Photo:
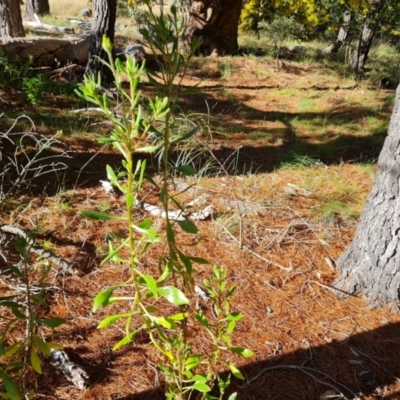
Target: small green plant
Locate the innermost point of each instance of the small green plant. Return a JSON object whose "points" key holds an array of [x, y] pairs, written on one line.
{"points": [[24, 312], [225, 67], [13, 70], [35, 87], [280, 30], [159, 303]]}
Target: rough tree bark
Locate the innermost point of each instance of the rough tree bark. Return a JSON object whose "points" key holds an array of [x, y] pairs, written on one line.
{"points": [[371, 265], [11, 19], [342, 35], [215, 22], [104, 15], [39, 7], [370, 26]]}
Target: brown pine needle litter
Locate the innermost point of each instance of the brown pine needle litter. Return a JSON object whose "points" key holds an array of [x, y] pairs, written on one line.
{"points": [[277, 230]]}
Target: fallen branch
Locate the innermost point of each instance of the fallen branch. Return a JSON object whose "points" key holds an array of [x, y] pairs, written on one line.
{"points": [[37, 24], [72, 371], [35, 248], [359, 352]]}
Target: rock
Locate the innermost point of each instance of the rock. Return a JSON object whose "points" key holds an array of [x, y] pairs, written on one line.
{"points": [[86, 13], [136, 51], [298, 49]]}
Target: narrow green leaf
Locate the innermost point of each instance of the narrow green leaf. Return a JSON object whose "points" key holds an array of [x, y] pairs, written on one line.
{"points": [[147, 149], [179, 316], [112, 177], [235, 371], [231, 326], [166, 273], [186, 170], [187, 135], [17, 313], [42, 345], [165, 322], [202, 319], [241, 351], [9, 385], [129, 200], [103, 298], [151, 285], [192, 362], [15, 271], [199, 260], [151, 309], [10, 304], [235, 316], [188, 226], [35, 362], [2, 350], [14, 348], [227, 340], [99, 216], [199, 378], [233, 396], [231, 291], [170, 234], [106, 322], [55, 346], [186, 262], [201, 387], [126, 340], [53, 322], [173, 295], [144, 225]]}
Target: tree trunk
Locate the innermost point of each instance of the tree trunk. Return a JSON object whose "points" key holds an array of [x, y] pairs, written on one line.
{"points": [[104, 15], [215, 22], [11, 19], [39, 7], [370, 26], [342, 35], [371, 265]]}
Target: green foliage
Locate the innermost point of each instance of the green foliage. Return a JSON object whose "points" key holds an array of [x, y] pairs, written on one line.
{"points": [[280, 30], [18, 74], [159, 304], [35, 87], [12, 71], [24, 312], [326, 14]]}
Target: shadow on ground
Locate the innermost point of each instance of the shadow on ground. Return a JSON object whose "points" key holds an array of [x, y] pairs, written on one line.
{"points": [[360, 365]]}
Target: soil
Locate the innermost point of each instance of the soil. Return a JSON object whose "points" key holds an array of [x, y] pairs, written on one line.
{"points": [[310, 341]]}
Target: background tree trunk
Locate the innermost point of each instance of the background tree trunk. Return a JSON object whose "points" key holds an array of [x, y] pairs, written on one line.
{"points": [[370, 26], [104, 15], [342, 35], [39, 7], [371, 265], [11, 19], [215, 22]]}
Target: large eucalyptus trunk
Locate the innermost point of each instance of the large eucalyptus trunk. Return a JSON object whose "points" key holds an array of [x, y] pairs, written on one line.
{"points": [[215, 23], [368, 30], [371, 265], [103, 23], [11, 19], [39, 7]]}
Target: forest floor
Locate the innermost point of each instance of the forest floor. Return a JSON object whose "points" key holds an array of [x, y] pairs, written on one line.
{"points": [[297, 144]]}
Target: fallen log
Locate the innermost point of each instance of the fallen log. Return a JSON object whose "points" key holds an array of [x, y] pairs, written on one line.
{"points": [[46, 51], [38, 24]]}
